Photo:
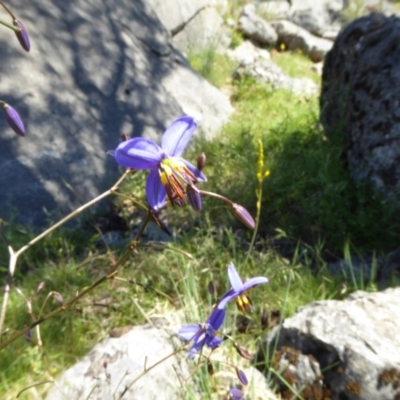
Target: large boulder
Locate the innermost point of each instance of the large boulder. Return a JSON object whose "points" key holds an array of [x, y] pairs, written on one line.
{"points": [[256, 28], [194, 25], [360, 99], [346, 349], [96, 70], [116, 364], [293, 37], [257, 64], [321, 18]]}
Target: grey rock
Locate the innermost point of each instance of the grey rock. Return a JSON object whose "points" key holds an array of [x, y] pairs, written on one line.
{"points": [[95, 70], [297, 38], [257, 64], [291, 363], [359, 99], [356, 343], [175, 16], [276, 9], [116, 362], [256, 28], [317, 17], [205, 31]]}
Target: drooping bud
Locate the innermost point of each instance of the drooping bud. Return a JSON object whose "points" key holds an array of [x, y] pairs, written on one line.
{"points": [[194, 197], [264, 319], [28, 336], [125, 136], [22, 35], [243, 352], [210, 368], [159, 223], [242, 376], [201, 161], [236, 394], [212, 288], [14, 120], [243, 215], [57, 297]]}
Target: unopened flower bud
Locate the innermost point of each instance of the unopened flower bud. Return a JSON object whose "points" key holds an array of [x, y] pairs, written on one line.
{"points": [[14, 120], [264, 319], [28, 336], [243, 215], [242, 376], [201, 161], [210, 368], [22, 35], [40, 287], [57, 297], [125, 136], [243, 352], [194, 197], [236, 394], [212, 288]]}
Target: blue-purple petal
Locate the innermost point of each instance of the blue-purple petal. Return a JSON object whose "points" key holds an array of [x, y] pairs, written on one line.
{"points": [[198, 343], [188, 332], [194, 198], [198, 174], [178, 135], [216, 318], [139, 153], [213, 342], [234, 278], [155, 190], [226, 298], [250, 283]]}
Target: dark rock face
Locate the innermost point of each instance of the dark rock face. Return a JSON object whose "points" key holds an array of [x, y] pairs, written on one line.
{"points": [[360, 98]]}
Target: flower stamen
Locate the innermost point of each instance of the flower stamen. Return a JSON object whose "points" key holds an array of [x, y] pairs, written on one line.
{"points": [[173, 174]]}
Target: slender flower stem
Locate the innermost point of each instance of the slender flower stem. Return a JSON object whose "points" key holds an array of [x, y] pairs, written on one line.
{"points": [[14, 28], [74, 213], [7, 9], [217, 196], [15, 254], [109, 275], [148, 369], [255, 231]]}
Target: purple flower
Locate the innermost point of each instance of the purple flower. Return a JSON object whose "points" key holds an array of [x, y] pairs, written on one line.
{"points": [[202, 335], [169, 172], [238, 289]]}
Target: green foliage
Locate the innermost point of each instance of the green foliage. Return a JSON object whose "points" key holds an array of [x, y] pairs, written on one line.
{"points": [[309, 195], [214, 67], [295, 64], [308, 198]]}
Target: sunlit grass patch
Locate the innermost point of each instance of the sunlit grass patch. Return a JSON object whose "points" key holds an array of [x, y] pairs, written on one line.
{"points": [[295, 64], [214, 67]]}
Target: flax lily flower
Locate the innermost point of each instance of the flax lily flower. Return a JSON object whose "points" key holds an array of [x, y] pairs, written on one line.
{"points": [[170, 174], [202, 335], [239, 289]]}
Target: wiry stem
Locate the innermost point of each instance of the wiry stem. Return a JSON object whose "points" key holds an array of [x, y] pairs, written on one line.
{"points": [[7, 9], [12, 27], [15, 254], [109, 275]]}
